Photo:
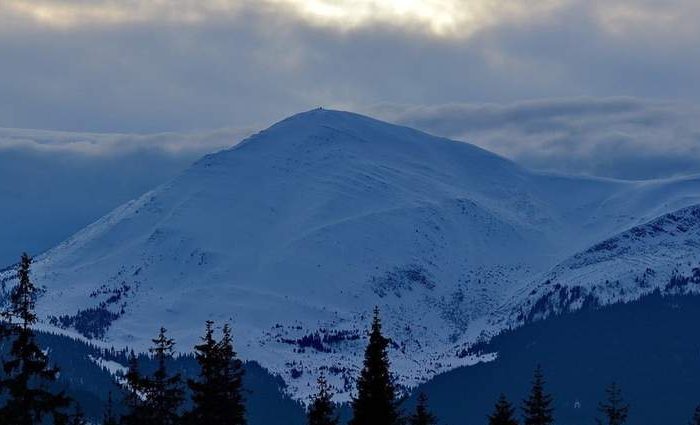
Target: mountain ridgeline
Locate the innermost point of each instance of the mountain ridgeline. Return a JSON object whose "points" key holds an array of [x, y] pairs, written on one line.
{"points": [[293, 235]]}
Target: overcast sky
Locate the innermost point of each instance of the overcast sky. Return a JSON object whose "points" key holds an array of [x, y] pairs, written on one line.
{"points": [[180, 65], [600, 87]]}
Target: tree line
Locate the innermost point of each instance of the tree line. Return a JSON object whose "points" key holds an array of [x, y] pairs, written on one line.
{"points": [[28, 397], [377, 401]]}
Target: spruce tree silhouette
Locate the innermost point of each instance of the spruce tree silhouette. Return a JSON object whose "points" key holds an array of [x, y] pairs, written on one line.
{"points": [[78, 417], [422, 416], [614, 408], [537, 408], [109, 418], [133, 401], [233, 378], [217, 394], [503, 413], [26, 380], [322, 410], [695, 420], [375, 403], [163, 392]]}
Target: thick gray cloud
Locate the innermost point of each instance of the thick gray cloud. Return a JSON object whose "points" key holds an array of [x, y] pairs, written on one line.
{"points": [[618, 137], [53, 184], [185, 66], [124, 66]]}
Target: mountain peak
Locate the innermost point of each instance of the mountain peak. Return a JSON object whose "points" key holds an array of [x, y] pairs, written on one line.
{"points": [[321, 118], [297, 232], [324, 115], [324, 133]]}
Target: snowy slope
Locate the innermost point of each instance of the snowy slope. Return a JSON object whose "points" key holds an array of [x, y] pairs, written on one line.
{"points": [[661, 255], [295, 234]]}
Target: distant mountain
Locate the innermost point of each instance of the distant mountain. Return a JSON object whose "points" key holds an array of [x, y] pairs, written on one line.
{"points": [[660, 254], [295, 234]]}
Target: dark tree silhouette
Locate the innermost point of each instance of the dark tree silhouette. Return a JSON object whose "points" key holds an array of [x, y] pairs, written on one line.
{"points": [[233, 378], [163, 392], [614, 408], [375, 403], [537, 408], [109, 418], [695, 420], [322, 410], [422, 416], [78, 417], [217, 394], [27, 375], [503, 413], [133, 401], [154, 399]]}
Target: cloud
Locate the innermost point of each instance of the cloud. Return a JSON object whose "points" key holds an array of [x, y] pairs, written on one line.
{"points": [[619, 137], [183, 65], [449, 18], [94, 146], [54, 183], [442, 18], [166, 71]]}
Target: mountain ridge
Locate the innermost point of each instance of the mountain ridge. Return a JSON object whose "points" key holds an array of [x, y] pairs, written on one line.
{"points": [[295, 234]]}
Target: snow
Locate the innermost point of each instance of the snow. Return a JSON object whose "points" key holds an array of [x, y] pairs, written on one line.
{"points": [[116, 369], [304, 227]]}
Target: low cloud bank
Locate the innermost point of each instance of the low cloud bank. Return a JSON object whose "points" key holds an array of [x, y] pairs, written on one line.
{"points": [[54, 183], [618, 137]]}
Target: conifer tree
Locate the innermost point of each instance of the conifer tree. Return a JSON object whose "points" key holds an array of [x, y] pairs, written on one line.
{"points": [[27, 375], [322, 410], [163, 392], [422, 415], [375, 403], [133, 401], [503, 413], [537, 408], [614, 408], [217, 394], [207, 387], [695, 420], [109, 418], [233, 378]]}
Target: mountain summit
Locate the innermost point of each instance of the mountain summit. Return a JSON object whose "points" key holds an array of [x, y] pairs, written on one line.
{"points": [[295, 234]]}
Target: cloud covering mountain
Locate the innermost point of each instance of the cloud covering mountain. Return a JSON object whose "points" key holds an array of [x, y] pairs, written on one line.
{"points": [[53, 183], [70, 179], [294, 234], [619, 137]]}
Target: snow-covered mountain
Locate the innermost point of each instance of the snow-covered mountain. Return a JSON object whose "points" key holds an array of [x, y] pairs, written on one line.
{"points": [[659, 255], [295, 234]]}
